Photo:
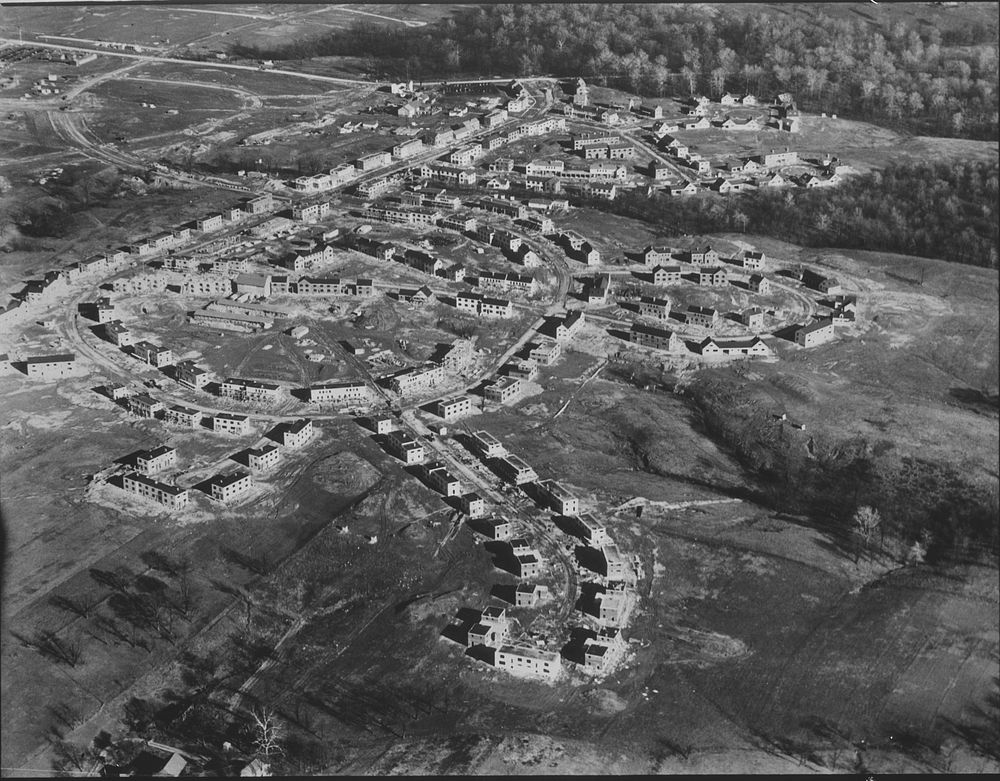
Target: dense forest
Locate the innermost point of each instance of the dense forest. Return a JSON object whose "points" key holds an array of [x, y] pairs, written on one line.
{"points": [[935, 210], [920, 79]]}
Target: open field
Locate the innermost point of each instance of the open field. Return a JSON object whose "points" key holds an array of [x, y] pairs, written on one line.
{"points": [[861, 145]]}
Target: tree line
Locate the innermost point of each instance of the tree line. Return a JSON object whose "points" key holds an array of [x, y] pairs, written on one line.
{"points": [[916, 78], [936, 210]]}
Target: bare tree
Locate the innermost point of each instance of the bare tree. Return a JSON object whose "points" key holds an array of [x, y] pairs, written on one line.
{"points": [[267, 731]]}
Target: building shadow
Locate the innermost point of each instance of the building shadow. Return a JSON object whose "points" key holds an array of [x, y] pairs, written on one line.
{"points": [[506, 592]]}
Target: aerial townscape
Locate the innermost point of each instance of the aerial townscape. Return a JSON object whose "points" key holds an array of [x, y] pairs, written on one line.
{"points": [[494, 389]]}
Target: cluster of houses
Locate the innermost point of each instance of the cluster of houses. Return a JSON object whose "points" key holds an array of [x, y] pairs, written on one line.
{"points": [[225, 487], [603, 648]]}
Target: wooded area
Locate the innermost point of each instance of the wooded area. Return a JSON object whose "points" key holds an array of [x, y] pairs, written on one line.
{"points": [[923, 81], [934, 210]]}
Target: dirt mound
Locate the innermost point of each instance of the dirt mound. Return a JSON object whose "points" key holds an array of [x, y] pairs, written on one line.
{"points": [[381, 317]]}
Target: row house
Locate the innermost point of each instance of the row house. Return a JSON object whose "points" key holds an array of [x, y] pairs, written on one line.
{"points": [[582, 140], [815, 333], [656, 308], [408, 148], [752, 260], [488, 445], [250, 390], [310, 212], [373, 161], [701, 315], [545, 353], [183, 416], [667, 275], [749, 346], [416, 380], [540, 167], [758, 283], [515, 470], [316, 286], [505, 390], [118, 334], [296, 434], [234, 321], [208, 224], [713, 277], [509, 208], [657, 338], [226, 488], [484, 306], [188, 373], [401, 444], [462, 222], [207, 285], [153, 354], [472, 504], [521, 369], [466, 155], [145, 406], [752, 318], [653, 255], [591, 531], [147, 488], [230, 423], [525, 661], [454, 408], [156, 460], [496, 280], [442, 480], [569, 324], [375, 187], [265, 458], [230, 266], [449, 174], [559, 498], [349, 392]]}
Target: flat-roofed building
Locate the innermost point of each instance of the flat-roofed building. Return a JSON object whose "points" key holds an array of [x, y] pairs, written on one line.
{"points": [[402, 445], [500, 529], [591, 531], [183, 416], [416, 380], [473, 505], [488, 445], [528, 594], [454, 408], [249, 390], [153, 490], [47, 367], [545, 353], [156, 460], [516, 470], [187, 373], [144, 405], [263, 458], [442, 480], [525, 661], [118, 334], [616, 567], [505, 390], [152, 354], [229, 423], [612, 608], [226, 488], [383, 424], [349, 392], [559, 498], [232, 321]]}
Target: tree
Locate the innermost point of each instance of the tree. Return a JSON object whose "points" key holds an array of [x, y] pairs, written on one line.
{"points": [[866, 522], [266, 731]]}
